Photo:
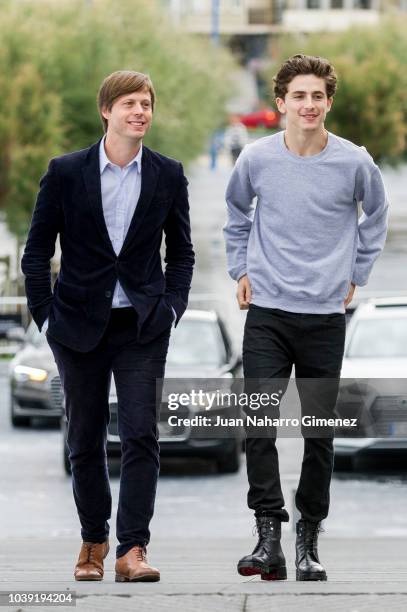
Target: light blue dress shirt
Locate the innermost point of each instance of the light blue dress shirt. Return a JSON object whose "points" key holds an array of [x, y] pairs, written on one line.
{"points": [[120, 194]]}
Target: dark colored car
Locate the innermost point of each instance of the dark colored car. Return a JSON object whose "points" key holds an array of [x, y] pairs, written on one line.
{"points": [[200, 350]]}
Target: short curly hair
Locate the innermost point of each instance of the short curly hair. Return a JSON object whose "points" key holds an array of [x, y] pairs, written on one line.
{"points": [[304, 64]]}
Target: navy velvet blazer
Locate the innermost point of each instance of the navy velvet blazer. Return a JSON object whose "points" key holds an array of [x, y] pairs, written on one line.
{"points": [[70, 203]]}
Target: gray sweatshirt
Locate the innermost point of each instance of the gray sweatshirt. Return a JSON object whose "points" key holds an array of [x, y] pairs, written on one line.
{"points": [[303, 243]]}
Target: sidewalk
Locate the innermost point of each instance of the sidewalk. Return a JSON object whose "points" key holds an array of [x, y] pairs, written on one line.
{"points": [[364, 574]]}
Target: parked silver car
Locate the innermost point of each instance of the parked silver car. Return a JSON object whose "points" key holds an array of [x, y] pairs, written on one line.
{"points": [[374, 385], [35, 390], [200, 348]]}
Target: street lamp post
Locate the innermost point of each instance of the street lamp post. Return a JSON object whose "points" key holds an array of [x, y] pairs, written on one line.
{"points": [[215, 22]]}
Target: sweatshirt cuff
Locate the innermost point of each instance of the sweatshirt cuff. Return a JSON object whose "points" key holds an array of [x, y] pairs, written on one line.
{"points": [[359, 278], [237, 273]]}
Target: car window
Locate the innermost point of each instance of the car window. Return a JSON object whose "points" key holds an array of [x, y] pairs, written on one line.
{"points": [[195, 343], [379, 338]]}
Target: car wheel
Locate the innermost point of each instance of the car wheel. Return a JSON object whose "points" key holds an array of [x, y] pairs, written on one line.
{"points": [[229, 463], [16, 419]]}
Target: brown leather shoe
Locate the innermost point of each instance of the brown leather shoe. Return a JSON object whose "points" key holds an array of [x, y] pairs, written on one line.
{"points": [[133, 567], [90, 561]]}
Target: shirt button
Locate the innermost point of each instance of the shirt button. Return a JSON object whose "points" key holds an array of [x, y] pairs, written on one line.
{"points": [[108, 294]]}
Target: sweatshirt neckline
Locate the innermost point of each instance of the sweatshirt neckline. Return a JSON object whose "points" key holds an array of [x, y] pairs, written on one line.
{"points": [[305, 159]]}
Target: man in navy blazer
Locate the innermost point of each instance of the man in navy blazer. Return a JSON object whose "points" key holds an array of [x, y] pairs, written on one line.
{"points": [[111, 310]]}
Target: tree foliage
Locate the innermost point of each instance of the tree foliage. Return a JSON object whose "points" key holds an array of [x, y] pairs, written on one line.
{"points": [[370, 105], [53, 57]]}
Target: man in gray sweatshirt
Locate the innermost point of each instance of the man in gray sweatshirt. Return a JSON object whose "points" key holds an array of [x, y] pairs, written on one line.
{"points": [[297, 256]]}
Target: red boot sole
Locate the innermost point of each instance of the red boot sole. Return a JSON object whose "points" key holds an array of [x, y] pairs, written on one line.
{"points": [[277, 574]]}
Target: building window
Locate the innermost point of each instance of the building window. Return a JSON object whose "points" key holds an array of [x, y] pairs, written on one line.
{"points": [[363, 4], [313, 4], [336, 4]]}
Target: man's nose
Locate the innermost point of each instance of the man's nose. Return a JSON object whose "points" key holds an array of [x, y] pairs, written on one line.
{"points": [[309, 102], [137, 108]]}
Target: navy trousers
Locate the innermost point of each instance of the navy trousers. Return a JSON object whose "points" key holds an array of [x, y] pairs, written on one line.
{"points": [[86, 380], [274, 341]]}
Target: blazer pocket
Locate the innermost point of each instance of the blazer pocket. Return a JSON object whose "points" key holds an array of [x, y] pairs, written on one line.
{"points": [[156, 288], [70, 292]]}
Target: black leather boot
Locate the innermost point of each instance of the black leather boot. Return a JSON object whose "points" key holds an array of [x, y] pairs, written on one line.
{"points": [[306, 548], [267, 559]]}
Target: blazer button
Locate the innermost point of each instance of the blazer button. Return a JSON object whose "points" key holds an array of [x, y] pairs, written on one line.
{"points": [[108, 294]]}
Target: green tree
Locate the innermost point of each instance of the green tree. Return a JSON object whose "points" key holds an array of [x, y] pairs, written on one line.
{"points": [[53, 57], [30, 134], [370, 105], [34, 135]]}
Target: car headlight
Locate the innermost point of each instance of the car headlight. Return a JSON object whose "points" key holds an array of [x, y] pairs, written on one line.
{"points": [[22, 373]]}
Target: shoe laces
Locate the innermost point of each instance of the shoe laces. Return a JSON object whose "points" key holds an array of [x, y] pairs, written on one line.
{"points": [[265, 528], [90, 549], [140, 553], [311, 535]]}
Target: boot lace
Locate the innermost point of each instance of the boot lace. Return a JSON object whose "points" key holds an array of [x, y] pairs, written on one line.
{"points": [[311, 536], [140, 553], [90, 551], [265, 528]]}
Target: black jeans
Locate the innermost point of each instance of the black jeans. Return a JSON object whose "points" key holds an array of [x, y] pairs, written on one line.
{"points": [[274, 341], [86, 382]]}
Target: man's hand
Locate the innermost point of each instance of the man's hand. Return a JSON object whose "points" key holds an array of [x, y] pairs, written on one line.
{"points": [[244, 292], [349, 297]]}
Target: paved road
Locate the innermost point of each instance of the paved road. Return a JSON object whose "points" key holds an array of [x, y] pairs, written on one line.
{"points": [[199, 574]]}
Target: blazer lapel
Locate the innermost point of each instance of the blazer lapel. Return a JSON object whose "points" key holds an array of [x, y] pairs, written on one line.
{"points": [[149, 177], [91, 177]]}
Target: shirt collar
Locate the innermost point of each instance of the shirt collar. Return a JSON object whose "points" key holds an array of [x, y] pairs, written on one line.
{"points": [[104, 160]]}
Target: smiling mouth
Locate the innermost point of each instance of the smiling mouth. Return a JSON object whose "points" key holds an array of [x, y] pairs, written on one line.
{"points": [[136, 123]]}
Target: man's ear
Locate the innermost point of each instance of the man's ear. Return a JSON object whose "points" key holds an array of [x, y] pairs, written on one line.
{"points": [[281, 105], [330, 102], [105, 112]]}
